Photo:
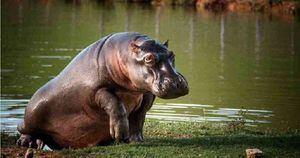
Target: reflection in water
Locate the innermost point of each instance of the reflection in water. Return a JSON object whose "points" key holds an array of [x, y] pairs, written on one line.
{"points": [[52, 57], [292, 50], [101, 23], [190, 50], [47, 12], [127, 19], [222, 44], [258, 41], [221, 75], [258, 33], [74, 18], [12, 113], [292, 38], [192, 34], [230, 60], [157, 21]]}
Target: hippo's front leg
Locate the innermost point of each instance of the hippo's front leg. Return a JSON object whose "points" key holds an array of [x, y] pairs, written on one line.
{"points": [[118, 119], [137, 118]]}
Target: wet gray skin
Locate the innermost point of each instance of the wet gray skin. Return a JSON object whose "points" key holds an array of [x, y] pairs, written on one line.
{"points": [[103, 94]]}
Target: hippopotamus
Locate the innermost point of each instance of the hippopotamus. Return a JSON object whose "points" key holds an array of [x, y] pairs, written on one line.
{"points": [[103, 94]]}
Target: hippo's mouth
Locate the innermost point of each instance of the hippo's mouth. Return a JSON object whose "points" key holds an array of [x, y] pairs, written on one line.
{"points": [[169, 88]]}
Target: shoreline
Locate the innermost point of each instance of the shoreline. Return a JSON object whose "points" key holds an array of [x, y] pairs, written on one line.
{"points": [[268, 6], [290, 7], [178, 139]]}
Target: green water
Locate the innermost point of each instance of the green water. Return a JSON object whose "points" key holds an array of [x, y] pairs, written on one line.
{"points": [[231, 61]]}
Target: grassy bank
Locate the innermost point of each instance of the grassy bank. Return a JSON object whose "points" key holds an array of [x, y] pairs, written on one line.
{"points": [[185, 140]]}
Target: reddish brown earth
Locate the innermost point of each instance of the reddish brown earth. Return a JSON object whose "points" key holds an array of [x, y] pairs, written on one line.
{"points": [[14, 152]]}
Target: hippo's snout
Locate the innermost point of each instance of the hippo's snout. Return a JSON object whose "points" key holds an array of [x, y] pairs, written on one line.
{"points": [[173, 87]]}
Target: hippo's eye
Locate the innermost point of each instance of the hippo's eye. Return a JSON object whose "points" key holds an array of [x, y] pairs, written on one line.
{"points": [[149, 59]]}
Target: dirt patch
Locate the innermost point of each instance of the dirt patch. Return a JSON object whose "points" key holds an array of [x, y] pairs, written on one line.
{"points": [[14, 151]]}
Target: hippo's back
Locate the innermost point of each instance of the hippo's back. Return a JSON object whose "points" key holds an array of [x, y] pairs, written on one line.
{"points": [[65, 94]]}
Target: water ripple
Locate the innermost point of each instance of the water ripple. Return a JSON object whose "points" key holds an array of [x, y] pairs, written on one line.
{"points": [[12, 112], [51, 57]]}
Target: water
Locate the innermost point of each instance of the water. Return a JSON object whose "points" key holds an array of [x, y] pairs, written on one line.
{"points": [[237, 65]]}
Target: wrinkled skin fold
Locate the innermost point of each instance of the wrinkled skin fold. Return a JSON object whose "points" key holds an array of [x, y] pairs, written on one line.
{"points": [[103, 94]]}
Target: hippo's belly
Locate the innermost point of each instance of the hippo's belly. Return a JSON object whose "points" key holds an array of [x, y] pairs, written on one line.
{"points": [[70, 119], [89, 129], [80, 130]]}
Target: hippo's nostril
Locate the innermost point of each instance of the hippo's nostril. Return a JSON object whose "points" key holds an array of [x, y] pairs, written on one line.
{"points": [[167, 81], [177, 85]]}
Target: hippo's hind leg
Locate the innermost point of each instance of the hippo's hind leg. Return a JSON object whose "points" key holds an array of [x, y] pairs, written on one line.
{"points": [[137, 118], [25, 140], [28, 140]]}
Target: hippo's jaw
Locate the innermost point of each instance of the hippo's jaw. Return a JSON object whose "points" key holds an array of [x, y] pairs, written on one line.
{"points": [[170, 87]]}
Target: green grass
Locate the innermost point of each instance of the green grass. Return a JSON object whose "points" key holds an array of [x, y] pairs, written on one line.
{"points": [[198, 140], [184, 139]]}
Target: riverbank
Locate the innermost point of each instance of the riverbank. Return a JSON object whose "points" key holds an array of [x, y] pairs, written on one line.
{"points": [[287, 7], [183, 140], [274, 6]]}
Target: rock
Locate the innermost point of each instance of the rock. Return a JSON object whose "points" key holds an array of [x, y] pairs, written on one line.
{"points": [[29, 153], [254, 153]]}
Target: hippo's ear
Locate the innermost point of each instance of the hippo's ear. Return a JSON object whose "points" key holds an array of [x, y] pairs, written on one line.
{"points": [[135, 48], [166, 44]]}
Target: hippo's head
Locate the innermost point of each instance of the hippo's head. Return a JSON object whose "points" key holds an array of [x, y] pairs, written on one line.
{"points": [[154, 70]]}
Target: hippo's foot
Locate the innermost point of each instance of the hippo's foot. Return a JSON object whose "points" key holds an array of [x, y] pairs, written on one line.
{"points": [[119, 130], [25, 141], [40, 144], [30, 142], [136, 137]]}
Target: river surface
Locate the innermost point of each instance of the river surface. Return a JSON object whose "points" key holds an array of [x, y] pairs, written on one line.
{"points": [[239, 66]]}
